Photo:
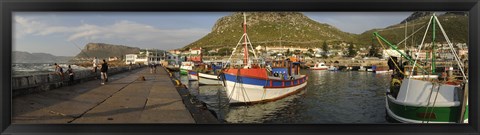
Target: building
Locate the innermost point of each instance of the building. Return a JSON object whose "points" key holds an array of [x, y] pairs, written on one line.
{"points": [[176, 51], [391, 52], [283, 48], [146, 56], [113, 58], [194, 55], [174, 59], [196, 51]]}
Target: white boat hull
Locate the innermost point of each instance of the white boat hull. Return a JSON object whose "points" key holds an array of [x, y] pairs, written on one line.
{"points": [[207, 79], [192, 77], [245, 93], [384, 71], [319, 68]]}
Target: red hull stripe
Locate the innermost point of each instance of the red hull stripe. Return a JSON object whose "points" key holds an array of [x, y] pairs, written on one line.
{"points": [[259, 73]]}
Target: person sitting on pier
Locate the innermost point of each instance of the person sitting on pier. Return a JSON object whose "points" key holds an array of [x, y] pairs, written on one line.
{"points": [[59, 71]]}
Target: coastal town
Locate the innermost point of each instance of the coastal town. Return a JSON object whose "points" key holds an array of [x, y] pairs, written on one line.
{"points": [[386, 78]]}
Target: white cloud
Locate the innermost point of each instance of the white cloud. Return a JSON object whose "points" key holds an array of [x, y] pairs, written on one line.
{"points": [[118, 31]]}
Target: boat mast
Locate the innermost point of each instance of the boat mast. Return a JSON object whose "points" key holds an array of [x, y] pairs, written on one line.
{"points": [[245, 48], [406, 49], [433, 44]]}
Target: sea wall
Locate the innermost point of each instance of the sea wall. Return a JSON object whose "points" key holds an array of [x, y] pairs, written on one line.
{"points": [[22, 85]]}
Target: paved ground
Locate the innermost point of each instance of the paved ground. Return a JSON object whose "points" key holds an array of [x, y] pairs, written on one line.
{"points": [[125, 99]]}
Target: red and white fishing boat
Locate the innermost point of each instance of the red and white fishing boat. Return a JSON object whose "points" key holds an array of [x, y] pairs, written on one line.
{"points": [[251, 83]]}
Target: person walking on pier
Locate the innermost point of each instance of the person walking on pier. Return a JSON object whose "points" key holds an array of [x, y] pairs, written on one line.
{"points": [[130, 67], [95, 64], [103, 72], [155, 68], [70, 74], [151, 67]]}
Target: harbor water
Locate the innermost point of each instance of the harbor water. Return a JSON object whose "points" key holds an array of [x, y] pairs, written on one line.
{"points": [[329, 97], [20, 69]]}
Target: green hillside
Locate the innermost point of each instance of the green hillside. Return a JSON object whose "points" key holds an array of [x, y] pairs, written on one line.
{"points": [[456, 27], [271, 29], [295, 29]]}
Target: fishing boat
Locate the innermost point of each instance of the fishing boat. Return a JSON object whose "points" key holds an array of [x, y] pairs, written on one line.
{"points": [[424, 96], [332, 68], [173, 68], [250, 82], [362, 69], [185, 67], [192, 75], [319, 66], [381, 69], [210, 76]]}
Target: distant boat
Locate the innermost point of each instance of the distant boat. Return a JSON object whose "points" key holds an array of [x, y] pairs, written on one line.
{"points": [[332, 68], [362, 69], [185, 67], [426, 97], [381, 69], [192, 75], [252, 83], [211, 76], [319, 66], [173, 67], [208, 79]]}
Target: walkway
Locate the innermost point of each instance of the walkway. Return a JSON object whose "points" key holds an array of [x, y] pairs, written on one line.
{"points": [[125, 99]]}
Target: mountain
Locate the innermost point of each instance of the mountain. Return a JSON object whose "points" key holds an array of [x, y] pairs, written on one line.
{"points": [[271, 28], [295, 29], [417, 15], [103, 50], [26, 57], [455, 25]]}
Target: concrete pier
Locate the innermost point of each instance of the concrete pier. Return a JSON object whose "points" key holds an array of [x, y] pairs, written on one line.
{"points": [[126, 98], [27, 84]]}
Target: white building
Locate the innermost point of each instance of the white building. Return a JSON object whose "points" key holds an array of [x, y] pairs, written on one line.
{"points": [[135, 59], [145, 57], [130, 58], [391, 52], [173, 59]]}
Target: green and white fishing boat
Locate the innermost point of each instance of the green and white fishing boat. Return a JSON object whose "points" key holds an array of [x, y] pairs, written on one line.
{"points": [[425, 95], [185, 67]]}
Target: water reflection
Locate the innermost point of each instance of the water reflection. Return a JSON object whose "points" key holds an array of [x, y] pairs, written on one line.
{"points": [[330, 97]]}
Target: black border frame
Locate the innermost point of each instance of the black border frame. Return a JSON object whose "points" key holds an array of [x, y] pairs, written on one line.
{"points": [[9, 6]]}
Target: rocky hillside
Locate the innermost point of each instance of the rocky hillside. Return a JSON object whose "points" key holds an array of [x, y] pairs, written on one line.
{"points": [[295, 29], [271, 28], [454, 23], [102, 50], [26, 57]]}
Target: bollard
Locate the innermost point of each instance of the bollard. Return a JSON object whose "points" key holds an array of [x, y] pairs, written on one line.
{"points": [[178, 82]]}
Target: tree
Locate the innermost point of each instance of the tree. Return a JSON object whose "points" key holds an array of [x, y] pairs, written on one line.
{"points": [[288, 52], [297, 52], [373, 52], [325, 49], [351, 51], [310, 50], [309, 55], [224, 51]]}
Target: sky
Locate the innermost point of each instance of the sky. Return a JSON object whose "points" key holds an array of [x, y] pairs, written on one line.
{"points": [[66, 33]]}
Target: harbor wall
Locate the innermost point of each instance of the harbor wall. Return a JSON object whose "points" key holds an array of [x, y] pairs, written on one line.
{"points": [[26, 84]]}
